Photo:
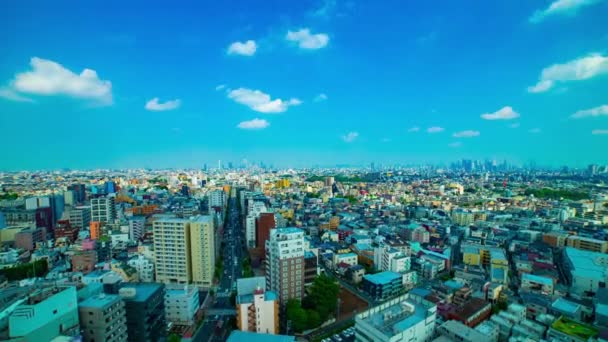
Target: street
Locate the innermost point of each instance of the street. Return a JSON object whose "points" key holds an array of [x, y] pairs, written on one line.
{"points": [[220, 312]]}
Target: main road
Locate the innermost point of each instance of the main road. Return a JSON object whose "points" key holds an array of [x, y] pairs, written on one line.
{"points": [[233, 253]]}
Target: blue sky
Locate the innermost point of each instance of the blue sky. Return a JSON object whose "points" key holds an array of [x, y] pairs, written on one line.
{"points": [[297, 83]]}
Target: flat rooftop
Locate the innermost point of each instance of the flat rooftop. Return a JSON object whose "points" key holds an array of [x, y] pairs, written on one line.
{"points": [[99, 301], [382, 277], [397, 318]]}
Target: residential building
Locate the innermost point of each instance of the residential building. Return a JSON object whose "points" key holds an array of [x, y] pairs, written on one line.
{"points": [[103, 209], [184, 250], [95, 230], [586, 271], [136, 227], [462, 217], [144, 267], [217, 198], [202, 250], [538, 284], [382, 285], [587, 244], [45, 314], [457, 331], [181, 304], [80, 217], [84, 261], [103, 318], [257, 309], [285, 263], [240, 336], [406, 318], [145, 308], [27, 238]]}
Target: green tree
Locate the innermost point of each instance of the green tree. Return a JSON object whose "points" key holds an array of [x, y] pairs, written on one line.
{"points": [[174, 338], [297, 315], [323, 296], [312, 318]]}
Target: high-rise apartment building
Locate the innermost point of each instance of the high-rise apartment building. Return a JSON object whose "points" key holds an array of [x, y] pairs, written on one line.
{"points": [[80, 217], [184, 250], [217, 198], [103, 209], [202, 250], [103, 318], [79, 191], [136, 227], [285, 263]]}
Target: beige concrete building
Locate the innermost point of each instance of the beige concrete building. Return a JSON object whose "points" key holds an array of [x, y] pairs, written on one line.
{"points": [[184, 250], [257, 309]]}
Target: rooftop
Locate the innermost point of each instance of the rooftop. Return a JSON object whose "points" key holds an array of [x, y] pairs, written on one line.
{"points": [[247, 286], [240, 336], [397, 317], [565, 306], [588, 264], [143, 291], [99, 301], [537, 279], [574, 328], [382, 278]]}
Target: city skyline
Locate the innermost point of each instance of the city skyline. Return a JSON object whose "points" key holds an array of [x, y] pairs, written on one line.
{"points": [[302, 84]]}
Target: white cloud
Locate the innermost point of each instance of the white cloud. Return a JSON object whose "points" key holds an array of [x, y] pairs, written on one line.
{"points": [[514, 125], [220, 87], [435, 129], [505, 113], [593, 112], [320, 97], [466, 134], [10, 94], [51, 78], [254, 124], [326, 8], [261, 102], [579, 69], [247, 48], [307, 40], [599, 131], [155, 105], [413, 129], [534, 130], [560, 7], [455, 144], [350, 137]]}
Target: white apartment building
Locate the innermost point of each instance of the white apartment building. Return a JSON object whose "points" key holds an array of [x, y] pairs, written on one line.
{"points": [[103, 209], [181, 304], [257, 309], [144, 267]]}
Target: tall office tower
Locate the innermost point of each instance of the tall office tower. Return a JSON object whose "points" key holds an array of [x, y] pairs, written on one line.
{"points": [[103, 318], [80, 193], [103, 209], [136, 227], [80, 217], [592, 169], [184, 250], [285, 263]]}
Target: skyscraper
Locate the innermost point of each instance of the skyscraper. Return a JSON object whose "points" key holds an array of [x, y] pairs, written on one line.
{"points": [[285, 263], [184, 250]]}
